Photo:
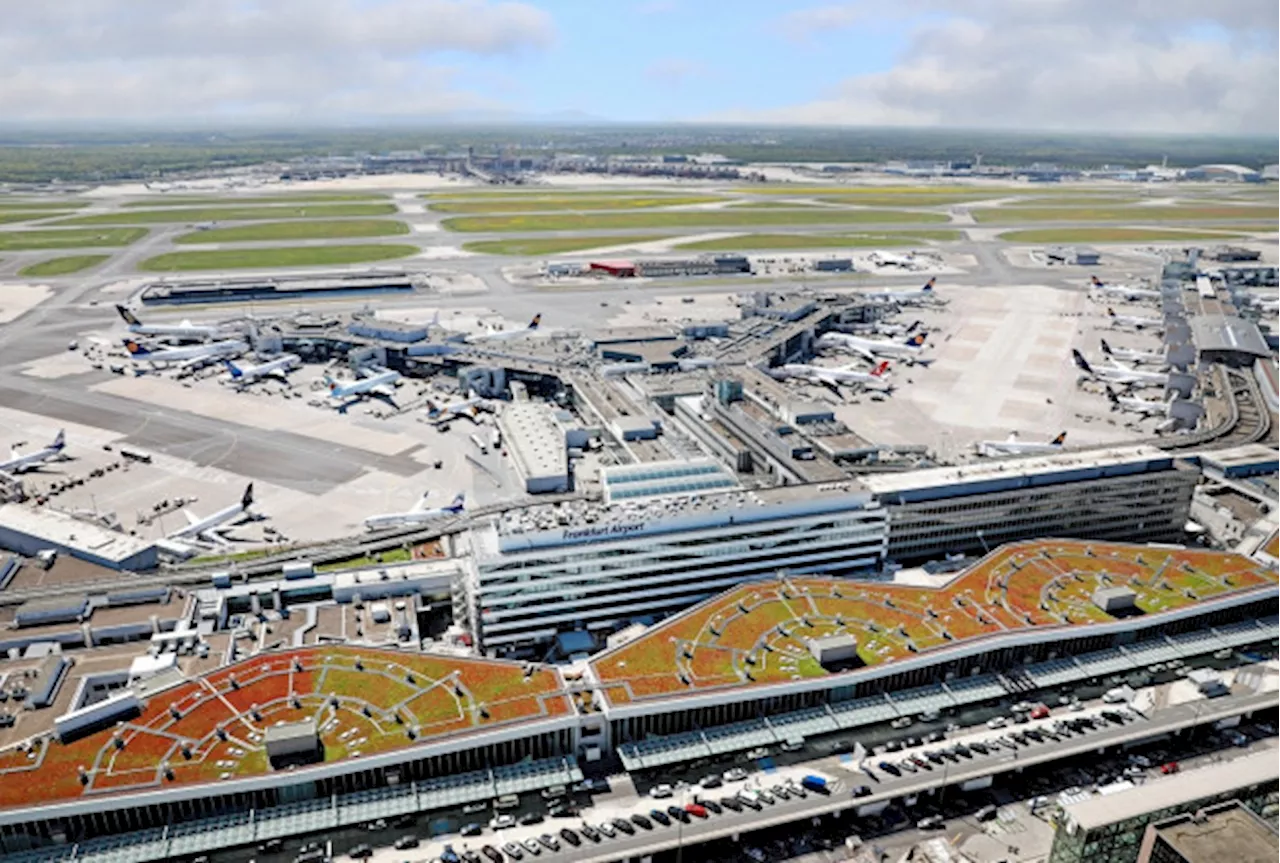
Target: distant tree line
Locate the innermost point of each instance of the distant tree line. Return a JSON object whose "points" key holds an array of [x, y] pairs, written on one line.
{"points": [[77, 156]]}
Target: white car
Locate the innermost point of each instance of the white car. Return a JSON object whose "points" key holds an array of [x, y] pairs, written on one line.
{"points": [[660, 792], [502, 822], [735, 774], [607, 829], [997, 722]]}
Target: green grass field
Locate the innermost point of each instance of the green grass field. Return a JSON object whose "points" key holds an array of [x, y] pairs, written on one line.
{"points": [[394, 555], [1074, 201], [35, 240], [549, 204], [283, 256], [63, 266], [235, 200], [301, 230], [749, 242], [231, 214], [1132, 215], [774, 205], [553, 245], [8, 216], [1113, 235], [905, 199], [726, 218]]}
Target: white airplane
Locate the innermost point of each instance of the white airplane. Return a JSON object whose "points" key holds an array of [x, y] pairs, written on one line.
{"points": [[1129, 355], [206, 529], [18, 463], [1134, 322], [468, 407], [1127, 292], [889, 259], [185, 331], [277, 368], [1012, 446], [198, 353], [883, 328], [835, 378], [418, 515], [379, 385], [1146, 407], [496, 335], [904, 298], [1117, 373], [876, 349]]}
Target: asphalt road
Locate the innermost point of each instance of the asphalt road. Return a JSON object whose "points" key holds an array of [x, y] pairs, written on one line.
{"points": [[884, 787]]}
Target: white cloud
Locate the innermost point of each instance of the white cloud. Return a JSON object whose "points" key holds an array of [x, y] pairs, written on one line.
{"points": [[286, 59], [674, 70], [804, 24], [1136, 66]]}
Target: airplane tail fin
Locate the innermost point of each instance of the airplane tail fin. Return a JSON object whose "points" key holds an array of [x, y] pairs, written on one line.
{"points": [[881, 369], [435, 319], [1112, 397], [59, 441], [916, 341], [135, 349], [1080, 361], [1111, 313], [129, 317], [459, 502], [1106, 348], [914, 325], [536, 322], [246, 500], [1095, 281], [233, 369], [928, 286], [1059, 440]]}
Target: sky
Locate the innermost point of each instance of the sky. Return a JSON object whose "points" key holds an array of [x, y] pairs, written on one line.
{"points": [[1176, 66]]}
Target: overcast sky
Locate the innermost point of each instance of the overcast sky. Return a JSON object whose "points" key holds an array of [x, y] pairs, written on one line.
{"points": [[1123, 65]]}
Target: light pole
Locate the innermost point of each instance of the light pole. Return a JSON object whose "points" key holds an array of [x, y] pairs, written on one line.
{"points": [[982, 540]]}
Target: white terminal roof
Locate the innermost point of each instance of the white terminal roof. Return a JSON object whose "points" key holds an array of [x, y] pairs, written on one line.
{"points": [[1228, 333], [785, 501], [535, 439], [887, 483], [62, 530]]}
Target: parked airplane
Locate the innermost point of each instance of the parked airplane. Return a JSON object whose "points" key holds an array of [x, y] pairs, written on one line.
{"points": [[418, 514], [1117, 373], [18, 463], [379, 385], [185, 331], [835, 378], [468, 407], [1128, 292], [277, 368], [876, 349], [169, 356], [1146, 407], [1133, 321], [1130, 355], [1012, 446], [904, 298], [496, 335], [207, 529]]}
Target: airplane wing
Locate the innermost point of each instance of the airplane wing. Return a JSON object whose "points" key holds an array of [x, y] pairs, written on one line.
{"points": [[191, 517], [862, 352], [831, 385], [213, 537]]}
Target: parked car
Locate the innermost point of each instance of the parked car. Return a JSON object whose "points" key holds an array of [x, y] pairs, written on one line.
{"points": [[660, 817], [494, 855], [569, 836], [733, 804], [405, 842], [931, 822], [625, 826], [590, 832], [472, 829], [678, 814], [532, 846], [711, 781], [861, 791], [546, 840], [502, 822], [640, 821], [658, 792], [1170, 767], [514, 851], [696, 810], [360, 852], [986, 813], [758, 753], [735, 774], [530, 818]]}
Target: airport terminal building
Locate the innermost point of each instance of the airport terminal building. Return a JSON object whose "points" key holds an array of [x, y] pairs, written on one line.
{"points": [[640, 561]]}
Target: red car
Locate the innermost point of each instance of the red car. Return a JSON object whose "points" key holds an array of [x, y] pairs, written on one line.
{"points": [[1039, 712], [1171, 767], [696, 810]]}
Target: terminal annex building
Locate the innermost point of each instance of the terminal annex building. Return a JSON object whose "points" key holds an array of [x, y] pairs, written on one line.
{"points": [[671, 535], [191, 764]]}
